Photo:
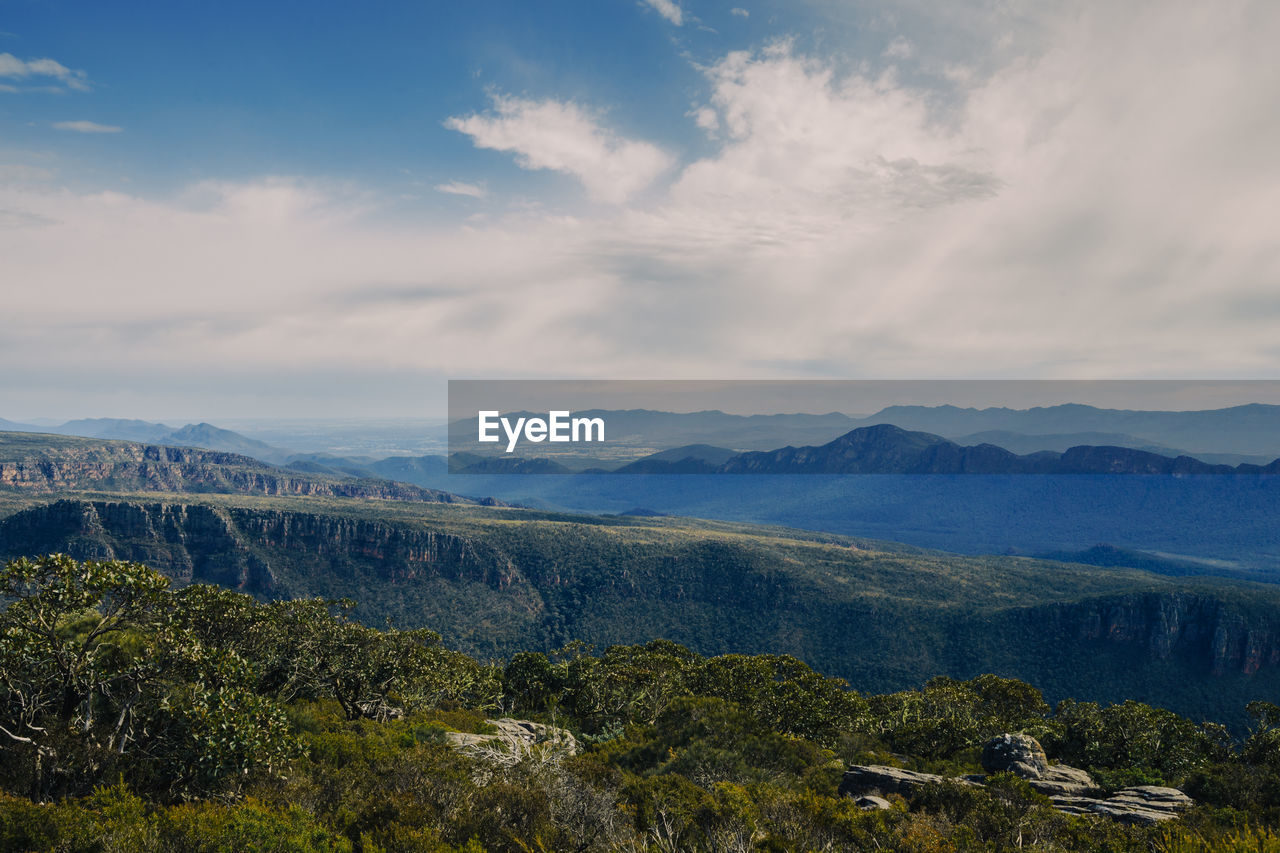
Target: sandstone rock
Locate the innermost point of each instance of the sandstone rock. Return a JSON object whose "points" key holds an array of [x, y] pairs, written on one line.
{"points": [[871, 803], [1023, 756], [1144, 804], [1063, 780], [1070, 789], [1019, 754], [517, 737], [877, 778]]}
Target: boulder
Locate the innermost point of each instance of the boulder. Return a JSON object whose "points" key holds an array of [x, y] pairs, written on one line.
{"points": [[1023, 756]]}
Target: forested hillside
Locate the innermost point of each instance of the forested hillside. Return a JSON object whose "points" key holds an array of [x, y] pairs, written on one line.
{"points": [[136, 717], [496, 581]]}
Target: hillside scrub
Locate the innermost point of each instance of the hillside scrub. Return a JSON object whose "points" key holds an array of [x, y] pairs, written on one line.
{"points": [[138, 717]]}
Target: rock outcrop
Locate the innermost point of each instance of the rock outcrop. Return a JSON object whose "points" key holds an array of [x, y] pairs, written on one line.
{"points": [[1070, 789], [515, 738], [1142, 804], [871, 803], [861, 780], [1023, 756]]}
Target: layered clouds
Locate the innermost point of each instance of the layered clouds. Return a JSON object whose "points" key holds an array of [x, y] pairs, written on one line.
{"points": [[1096, 201]]}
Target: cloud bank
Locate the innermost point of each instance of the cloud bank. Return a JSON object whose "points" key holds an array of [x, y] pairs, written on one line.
{"points": [[1097, 204]]}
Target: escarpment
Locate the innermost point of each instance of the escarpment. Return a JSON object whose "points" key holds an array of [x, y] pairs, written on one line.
{"points": [[80, 464], [233, 546], [1223, 634]]}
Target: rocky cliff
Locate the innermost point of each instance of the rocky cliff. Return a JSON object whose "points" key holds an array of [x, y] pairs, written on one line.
{"points": [[57, 463], [461, 587], [230, 545], [1225, 635]]}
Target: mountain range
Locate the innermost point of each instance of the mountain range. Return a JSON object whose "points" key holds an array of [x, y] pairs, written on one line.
{"points": [[202, 435], [1249, 433], [1240, 434], [889, 449], [1252, 429]]}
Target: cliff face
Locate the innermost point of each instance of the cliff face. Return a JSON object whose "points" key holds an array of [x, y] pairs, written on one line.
{"points": [[1216, 634], [462, 587], [117, 465], [236, 547]]}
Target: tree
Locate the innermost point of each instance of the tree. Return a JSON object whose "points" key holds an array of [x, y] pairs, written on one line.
{"points": [[100, 673], [73, 666]]}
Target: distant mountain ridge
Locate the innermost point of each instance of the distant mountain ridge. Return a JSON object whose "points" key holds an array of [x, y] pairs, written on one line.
{"points": [[889, 449], [1239, 434], [202, 435], [1252, 429]]}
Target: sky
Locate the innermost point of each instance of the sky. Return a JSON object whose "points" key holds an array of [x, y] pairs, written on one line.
{"points": [[329, 209]]}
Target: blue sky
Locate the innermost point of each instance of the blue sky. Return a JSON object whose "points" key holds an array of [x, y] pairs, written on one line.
{"points": [[288, 209], [235, 90]]}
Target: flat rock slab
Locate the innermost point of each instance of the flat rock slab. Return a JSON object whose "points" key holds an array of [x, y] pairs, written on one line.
{"points": [[880, 779], [1143, 804], [871, 803], [519, 734]]}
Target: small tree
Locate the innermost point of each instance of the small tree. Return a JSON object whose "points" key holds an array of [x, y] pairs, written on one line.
{"points": [[72, 661], [101, 674]]}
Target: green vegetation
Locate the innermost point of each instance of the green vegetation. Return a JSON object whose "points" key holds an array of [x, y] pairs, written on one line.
{"points": [[496, 581], [138, 717]]}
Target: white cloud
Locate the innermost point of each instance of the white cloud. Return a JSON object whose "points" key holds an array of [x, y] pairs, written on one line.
{"points": [[809, 153], [18, 69], [86, 127], [669, 10], [900, 48], [706, 118], [462, 188], [740, 12], [565, 137], [1100, 205]]}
